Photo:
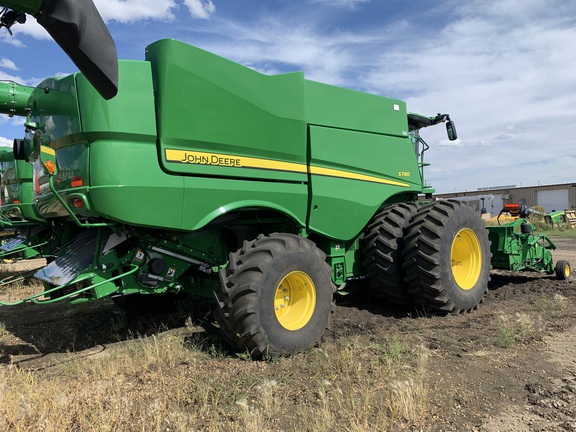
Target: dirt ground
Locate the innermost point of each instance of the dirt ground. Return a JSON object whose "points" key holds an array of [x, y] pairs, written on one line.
{"points": [[492, 387], [510, 366]]}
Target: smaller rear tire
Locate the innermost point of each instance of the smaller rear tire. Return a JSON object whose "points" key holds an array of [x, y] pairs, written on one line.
{"points": [[563, 270]]}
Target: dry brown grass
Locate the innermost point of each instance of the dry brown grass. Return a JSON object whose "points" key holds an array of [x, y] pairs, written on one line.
{"points": [[167, 382]]}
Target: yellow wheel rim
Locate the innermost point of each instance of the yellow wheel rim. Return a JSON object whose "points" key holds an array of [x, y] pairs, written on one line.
{"points": [[567, 270], [466, 258], [295, 300]]}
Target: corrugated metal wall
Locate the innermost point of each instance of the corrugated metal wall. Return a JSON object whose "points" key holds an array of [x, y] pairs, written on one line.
{"points": [[524, 195]]}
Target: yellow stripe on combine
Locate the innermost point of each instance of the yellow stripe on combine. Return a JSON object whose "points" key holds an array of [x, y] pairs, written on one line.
{"points": [[353, 176], [49, 150], [216, 159]]}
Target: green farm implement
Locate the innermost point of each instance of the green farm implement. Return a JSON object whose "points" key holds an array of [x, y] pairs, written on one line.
{"points": [[515, 246], [188, 173]]}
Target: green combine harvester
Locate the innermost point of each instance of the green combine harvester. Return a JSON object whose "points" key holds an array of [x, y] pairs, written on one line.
{"points": [[189, 173], [23, 233]]}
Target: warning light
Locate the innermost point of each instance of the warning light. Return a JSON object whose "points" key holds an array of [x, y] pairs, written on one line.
{"points": [[50, 166], [76, 181], [78, 203]]}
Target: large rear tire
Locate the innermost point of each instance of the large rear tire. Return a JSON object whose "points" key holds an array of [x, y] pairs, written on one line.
{"points": [[447, 257], [275, 296], [384, 241]]}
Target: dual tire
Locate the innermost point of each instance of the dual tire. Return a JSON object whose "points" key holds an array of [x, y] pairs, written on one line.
{"points": [[439, 261], [275, 295]]}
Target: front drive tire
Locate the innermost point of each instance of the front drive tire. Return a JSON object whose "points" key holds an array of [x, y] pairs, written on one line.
{"points": [[275, 295], [447, 257]]}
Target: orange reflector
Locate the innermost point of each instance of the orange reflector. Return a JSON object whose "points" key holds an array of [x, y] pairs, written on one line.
{"points": [[15, 201], [76, 181], [78, 203], [50, 166]]}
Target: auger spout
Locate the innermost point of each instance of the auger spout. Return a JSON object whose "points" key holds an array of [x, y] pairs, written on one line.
{"points": [[14, 98]]}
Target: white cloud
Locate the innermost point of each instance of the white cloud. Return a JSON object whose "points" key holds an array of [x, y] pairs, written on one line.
{"points": [[200, 8], [8, 64], [5, 38], [5, 142], [128, 11], [7, 77], [30, 28], [297, 43]]}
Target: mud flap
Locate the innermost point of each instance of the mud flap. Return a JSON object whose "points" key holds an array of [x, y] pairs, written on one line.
{"points": [[78, 255]]}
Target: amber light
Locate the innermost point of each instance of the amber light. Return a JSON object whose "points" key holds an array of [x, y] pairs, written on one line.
{"points": [[15, 201], [50, 166], [77, 203], [76, 181]]}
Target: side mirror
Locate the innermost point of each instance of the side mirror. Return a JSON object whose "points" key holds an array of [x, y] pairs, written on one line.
{"points": [[22, 149], [451, 130]]}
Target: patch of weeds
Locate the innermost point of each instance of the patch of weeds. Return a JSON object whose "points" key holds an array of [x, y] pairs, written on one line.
{"points": [[210, 345], [558, 303], [521, 328], [506, 338]]}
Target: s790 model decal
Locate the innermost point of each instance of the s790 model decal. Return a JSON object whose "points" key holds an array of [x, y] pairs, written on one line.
{"points": [[231, 161]]}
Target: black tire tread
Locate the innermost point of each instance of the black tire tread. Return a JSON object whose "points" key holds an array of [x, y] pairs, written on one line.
{"points": [[559, 269], [237, 299], [383, 243], [423, 261]]}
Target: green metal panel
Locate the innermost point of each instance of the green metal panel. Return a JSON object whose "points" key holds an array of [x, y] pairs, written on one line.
{"points": [[348, 109], [128, 185], [129, 116], [218, 118], [348, 186], [206, 199]]}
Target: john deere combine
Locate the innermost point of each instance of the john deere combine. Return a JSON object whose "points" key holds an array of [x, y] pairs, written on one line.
{"points": [[23, 233], [188, 173]]}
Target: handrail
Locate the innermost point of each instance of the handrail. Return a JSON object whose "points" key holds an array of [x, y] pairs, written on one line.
{"points": [[69, 210]]}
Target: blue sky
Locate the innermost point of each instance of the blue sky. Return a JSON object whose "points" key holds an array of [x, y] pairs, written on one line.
{"points": [[504, 70]]}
